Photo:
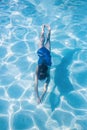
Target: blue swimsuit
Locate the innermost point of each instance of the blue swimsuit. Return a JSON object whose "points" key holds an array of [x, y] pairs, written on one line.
{"points": [[44, 56]]}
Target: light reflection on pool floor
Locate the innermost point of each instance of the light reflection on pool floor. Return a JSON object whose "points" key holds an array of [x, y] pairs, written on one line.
{"points": [[65, 105]]}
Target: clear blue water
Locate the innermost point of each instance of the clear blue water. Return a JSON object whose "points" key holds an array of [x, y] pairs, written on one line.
{"points": [[65, 104]]}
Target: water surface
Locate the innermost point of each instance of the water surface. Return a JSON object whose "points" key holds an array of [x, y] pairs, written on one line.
{"points": [[65, 105]]}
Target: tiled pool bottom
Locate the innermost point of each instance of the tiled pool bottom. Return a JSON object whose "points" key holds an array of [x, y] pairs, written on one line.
{"points": [[65, 105]]}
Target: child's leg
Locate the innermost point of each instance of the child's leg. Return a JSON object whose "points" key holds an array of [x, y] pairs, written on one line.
{"points": [[42, 38], [48, 45]]}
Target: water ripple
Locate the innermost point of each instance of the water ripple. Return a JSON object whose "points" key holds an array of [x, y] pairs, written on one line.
{"points": [[65, 105]]}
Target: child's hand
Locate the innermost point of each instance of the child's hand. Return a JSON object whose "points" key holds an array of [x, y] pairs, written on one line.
{"points": [[48, 26], [39, 101]]}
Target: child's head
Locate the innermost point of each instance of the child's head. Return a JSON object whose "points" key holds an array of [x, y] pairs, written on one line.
{"points": [[42, 71]]}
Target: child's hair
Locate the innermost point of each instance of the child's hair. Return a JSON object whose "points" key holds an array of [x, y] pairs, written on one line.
{"points": [[42, 71]]}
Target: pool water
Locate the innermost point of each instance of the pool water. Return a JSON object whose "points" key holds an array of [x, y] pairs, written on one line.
{"points": [[65, 104]]}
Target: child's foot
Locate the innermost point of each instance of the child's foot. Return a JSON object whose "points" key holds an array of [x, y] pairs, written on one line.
{"points": [[48, 26], [43, 27]]}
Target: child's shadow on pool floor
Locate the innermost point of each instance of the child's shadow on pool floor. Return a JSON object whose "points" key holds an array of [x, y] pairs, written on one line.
{"points": [[61, 80]]}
